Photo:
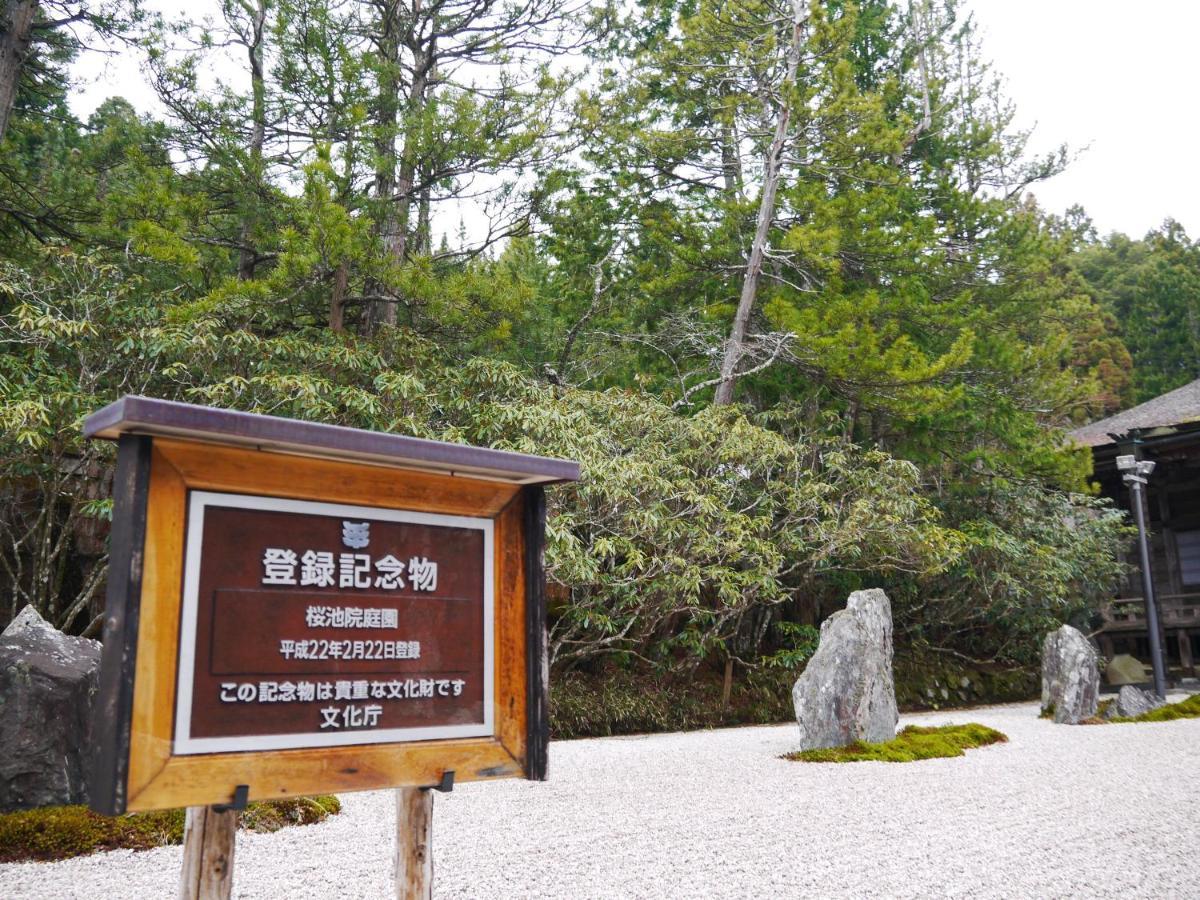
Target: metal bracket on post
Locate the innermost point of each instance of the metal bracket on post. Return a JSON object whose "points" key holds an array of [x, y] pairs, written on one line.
{"points": [[445, 786], [241, 796]]}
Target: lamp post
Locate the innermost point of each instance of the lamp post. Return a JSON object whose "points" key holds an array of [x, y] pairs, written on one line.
{"points": [[1136, 471]]}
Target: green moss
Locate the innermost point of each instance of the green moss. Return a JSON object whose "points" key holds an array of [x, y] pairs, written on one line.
{"points": [[1184, 709], [60, 832], [911, 744], [272, 815]]}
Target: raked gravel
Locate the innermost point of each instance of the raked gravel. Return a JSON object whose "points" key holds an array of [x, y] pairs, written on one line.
{"points": [[1059, 811]]}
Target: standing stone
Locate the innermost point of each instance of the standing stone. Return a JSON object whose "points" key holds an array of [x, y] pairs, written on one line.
{"points": [[47, 682], [1070, 677], [1132, 701], [846, 692], [1124, 669]]}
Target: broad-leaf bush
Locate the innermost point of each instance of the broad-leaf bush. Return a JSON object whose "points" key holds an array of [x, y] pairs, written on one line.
{"points": [[687, 534]]}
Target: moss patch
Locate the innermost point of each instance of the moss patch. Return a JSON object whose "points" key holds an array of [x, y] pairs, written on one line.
{"points": [[911, 744], [1184, 709], [60, 832]]}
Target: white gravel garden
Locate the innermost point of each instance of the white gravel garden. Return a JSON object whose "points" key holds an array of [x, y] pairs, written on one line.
{"points": [[1057, 811]]}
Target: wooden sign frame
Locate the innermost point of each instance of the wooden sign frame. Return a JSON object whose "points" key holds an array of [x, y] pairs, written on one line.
{"points": [[135, 767]]}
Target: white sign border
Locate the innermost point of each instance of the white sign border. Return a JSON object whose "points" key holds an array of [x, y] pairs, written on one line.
{"points": [[198, 502]]}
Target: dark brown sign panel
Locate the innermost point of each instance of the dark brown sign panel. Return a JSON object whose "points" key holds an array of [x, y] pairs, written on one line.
{"points": [[310, 624]]}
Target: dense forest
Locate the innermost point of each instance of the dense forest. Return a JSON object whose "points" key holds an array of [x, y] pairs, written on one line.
{"points": [[773, 272]]}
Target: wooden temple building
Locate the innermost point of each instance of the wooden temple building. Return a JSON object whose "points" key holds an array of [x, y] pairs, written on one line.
{"points": [[1166, 430]]}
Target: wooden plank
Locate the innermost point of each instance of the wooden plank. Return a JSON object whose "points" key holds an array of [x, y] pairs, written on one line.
{"points": [[212, 468], [537, 710], [193, 780], [113, 711], [158, 638], [209, 841], [414, 844], [510, 696]]}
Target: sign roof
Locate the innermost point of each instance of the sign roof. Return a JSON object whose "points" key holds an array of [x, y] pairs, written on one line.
{"points": [[144, 415]]}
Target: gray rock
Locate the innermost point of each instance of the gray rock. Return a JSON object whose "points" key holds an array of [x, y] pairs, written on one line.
{"points": [[1132, 701], [1124, 669], [846, 692], [47, 683], [1070, 676]]}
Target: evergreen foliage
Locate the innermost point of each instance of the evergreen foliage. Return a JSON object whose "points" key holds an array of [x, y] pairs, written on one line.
{"points": [[1152, 288]]}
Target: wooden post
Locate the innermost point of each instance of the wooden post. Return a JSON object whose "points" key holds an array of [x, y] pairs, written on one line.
{"points": [[208, 844], [537, 657], [414, 844]]}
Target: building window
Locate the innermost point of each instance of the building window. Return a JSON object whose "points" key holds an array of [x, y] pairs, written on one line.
{"points": [[1187, 543]]}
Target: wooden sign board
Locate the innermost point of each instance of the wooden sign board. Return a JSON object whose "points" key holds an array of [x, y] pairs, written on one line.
{"points": [[303, 609]]}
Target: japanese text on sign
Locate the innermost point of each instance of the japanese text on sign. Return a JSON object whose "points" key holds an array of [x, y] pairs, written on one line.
{"points": [[299, 639], [353, 570]]}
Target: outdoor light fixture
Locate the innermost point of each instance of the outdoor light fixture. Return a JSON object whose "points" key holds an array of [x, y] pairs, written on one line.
{"points": [[1135, 474], [1134, 466]]}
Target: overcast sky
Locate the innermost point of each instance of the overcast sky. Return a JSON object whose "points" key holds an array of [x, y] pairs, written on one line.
{"points": [[1113, 80], [1117, 82]]}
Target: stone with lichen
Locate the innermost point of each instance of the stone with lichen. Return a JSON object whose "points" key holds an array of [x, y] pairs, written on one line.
{"points": [[846, 692], [47, 683], [1070, 677], [1124, 669], [1133, 701]]}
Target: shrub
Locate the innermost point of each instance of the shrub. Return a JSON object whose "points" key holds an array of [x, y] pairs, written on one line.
{"points": [[682, 532], [691, 536], [642, 701]]}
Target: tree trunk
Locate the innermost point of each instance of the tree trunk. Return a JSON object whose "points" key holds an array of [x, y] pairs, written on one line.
{"points": [[398, 199], [423, 61], [424, 242], [383, 311], [731, 157], [337, 298], [248, 256], [766, 215], [15, 38]]}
